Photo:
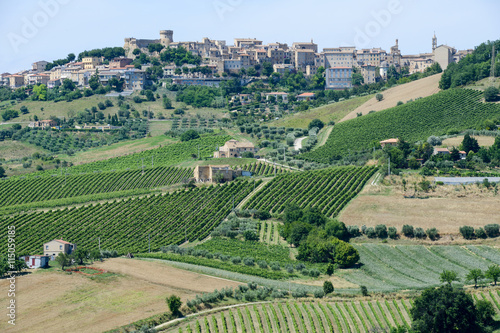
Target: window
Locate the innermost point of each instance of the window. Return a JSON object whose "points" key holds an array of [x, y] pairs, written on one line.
{"points": [[60, 247], [46, 247]]}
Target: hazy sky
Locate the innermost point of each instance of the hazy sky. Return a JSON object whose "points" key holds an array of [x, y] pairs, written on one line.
{"points": [[35, 30]]}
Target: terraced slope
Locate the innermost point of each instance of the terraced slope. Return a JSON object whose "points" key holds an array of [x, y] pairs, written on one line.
{"points": [[457, 109], [328, 189]]}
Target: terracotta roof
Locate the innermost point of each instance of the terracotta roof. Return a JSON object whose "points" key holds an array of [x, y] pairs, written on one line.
{"points": [[340, 67], [390, 141], [443, 150], [307, 95], [462, 152], [61, 241], [277, 93]]}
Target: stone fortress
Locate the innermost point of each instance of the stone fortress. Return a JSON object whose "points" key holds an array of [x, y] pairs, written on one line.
{"points": [[166, 38]]}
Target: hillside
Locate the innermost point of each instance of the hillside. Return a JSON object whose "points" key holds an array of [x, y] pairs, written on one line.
{"points": [[457, 109], [326, 113], [420, 88]]}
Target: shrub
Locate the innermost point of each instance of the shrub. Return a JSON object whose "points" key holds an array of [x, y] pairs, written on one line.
{"points": [[328, 287], [250, 235], [300, 292], [262, 263], [314, 273], [432, 233], [480, 233], [434, 140], [353, 231], [408, 231], [364, 290], [420, 233], [252, 285], [300, 266], [492, 230], [305, 272], [249, 261], [381, 231], [392, 232], [174, 304], [467, 232], [319, 293], [243, 288], [236, 260], [379, 97], [250, 296], [289, 268], [275, 266], [370, 232]]}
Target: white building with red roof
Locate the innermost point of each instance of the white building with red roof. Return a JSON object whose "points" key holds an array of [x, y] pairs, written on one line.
{"points": [[56, 246]]}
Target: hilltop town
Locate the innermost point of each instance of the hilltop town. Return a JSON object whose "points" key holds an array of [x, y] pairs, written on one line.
{"points": [[246, 55]]}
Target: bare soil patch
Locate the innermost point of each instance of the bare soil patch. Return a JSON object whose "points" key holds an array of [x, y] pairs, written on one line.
{"points": [[421, 88], [446, 208], [49, 301], [485, 141]]}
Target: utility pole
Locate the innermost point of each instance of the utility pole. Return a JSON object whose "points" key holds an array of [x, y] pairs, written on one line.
{"points": [[142, 166]]}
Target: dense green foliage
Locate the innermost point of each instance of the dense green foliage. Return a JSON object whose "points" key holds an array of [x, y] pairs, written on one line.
{"points": [[125, 226], [109, 53], [328, 190], [21, 191], [445, 310], [457, 109], [473, 67]]}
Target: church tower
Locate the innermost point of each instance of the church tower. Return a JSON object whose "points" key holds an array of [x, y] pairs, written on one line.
{"points": [[434, 42]]}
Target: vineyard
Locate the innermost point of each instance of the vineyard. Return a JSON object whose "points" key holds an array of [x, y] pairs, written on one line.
{"points": [[20, 191], [263, 169], [390, 268], [328, 189], [163, 156], [312, 316], [130, 225], [457, 109]]}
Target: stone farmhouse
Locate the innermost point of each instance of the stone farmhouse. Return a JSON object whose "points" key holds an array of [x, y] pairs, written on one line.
{"points": [[234, 148], [208, 173], [53, 248]]}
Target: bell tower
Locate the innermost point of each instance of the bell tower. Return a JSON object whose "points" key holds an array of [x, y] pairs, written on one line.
{"points": [[434, 42]]}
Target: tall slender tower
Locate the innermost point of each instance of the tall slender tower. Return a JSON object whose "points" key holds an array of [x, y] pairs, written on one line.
{"points": [[434, 42]]}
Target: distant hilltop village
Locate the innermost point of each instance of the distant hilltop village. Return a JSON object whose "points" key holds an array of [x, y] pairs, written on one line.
{"points": [[220, 59]]}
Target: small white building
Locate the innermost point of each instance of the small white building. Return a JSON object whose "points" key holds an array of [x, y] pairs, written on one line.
{"points": [[36, 261]]}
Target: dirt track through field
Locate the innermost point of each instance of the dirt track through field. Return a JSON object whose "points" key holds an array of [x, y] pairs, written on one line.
{"points": [[412, 90], [58, 302]]}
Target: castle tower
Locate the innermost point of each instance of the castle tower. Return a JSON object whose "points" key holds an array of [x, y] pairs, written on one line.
{"points": [[434, 42], [166, 37]]}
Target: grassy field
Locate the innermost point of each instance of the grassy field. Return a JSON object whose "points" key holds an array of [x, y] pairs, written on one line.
{"points": [[15, 149], [485, 83], [52, 301], [484, 141], [370, 315], [447, 207], [157, 128], [326, 113], [390, 268]]}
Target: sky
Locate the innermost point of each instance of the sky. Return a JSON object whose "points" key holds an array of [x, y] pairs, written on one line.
{"points": [[33, 30]]}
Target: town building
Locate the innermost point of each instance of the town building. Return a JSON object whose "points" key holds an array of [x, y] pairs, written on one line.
{"points": [[279, 96], [368, 72], [39, 66], [91, 62], [234, 148], [119, 63], [53, 248], [16, 81], [36, 261], [339, 78], [443, 151]]}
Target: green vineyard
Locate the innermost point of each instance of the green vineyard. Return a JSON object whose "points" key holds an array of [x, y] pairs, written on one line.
{"points": [[130, 225], [313, 316], [390, 268], [328, 189], [457, 109], [163, 156], [263, 169], [21, 191]]}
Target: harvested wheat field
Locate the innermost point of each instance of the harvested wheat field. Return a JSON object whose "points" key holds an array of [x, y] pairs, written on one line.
{"points": [[446, 208], [50, 301], [483, 141], [421, 88]]}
